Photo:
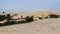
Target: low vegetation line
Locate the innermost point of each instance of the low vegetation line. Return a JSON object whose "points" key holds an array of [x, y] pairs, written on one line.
{"points": [[27, 19]]}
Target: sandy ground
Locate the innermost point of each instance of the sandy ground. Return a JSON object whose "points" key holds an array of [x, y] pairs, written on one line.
{"points": [[45, 26]]}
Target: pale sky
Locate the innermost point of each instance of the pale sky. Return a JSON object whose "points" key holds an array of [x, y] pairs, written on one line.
{"points": [[29, 5]]}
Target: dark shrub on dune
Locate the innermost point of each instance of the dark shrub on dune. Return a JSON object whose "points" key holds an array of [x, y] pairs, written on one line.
{"points": [[29, 19], [21, 22], [9, 23], [1, 24], [8, 17], [46, 17], [40, 18], [53, 16], [2, 17]]}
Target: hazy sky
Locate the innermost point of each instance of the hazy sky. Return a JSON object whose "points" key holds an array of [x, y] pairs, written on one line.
{"points": [[29, 5]]}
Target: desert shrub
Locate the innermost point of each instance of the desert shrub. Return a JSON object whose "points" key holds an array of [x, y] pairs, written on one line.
{"points": [[29, 19], [21, 17], [1, 24], [46, 17], [21, 22], [14, 15], [8, 17], [40, 17], [9, 23], [53, 16], [2, 17]]}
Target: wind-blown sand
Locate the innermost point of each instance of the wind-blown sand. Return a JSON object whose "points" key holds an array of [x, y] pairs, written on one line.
{"points": [[44, 26]]}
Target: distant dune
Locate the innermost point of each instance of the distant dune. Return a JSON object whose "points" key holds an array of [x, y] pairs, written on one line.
{"points": [[36, 13]]}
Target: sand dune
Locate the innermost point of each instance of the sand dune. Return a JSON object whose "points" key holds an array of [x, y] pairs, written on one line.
{"points": [[44, 26]]}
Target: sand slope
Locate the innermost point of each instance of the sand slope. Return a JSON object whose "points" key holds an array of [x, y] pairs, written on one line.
{"points": [[46, 26]]}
